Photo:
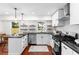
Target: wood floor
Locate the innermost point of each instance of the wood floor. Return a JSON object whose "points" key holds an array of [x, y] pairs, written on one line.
{"points": [[3, 51], [26, 51]]}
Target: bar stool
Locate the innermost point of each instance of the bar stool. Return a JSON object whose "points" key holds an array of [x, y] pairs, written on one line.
{"points": [[5, 44]]}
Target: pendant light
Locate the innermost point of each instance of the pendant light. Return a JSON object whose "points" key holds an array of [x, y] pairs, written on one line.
{"points": [[15, 18], [22, 15], [15, 13]]}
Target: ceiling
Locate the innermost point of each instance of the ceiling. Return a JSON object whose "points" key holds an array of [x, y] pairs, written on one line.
{"points": [[30, 9]]}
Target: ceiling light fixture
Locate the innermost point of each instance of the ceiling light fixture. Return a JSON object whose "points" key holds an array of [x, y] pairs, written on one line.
{"points": [[15, 18], [15, 13], [22, 15]]}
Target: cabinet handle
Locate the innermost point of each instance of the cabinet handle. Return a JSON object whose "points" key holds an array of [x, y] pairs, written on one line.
{"points": [[64, 47]]}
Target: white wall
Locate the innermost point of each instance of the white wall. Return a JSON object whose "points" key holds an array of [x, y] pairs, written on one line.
{"points": [[35, 22], [6, 26], [26, 17], [74, 13], [1, 27]]}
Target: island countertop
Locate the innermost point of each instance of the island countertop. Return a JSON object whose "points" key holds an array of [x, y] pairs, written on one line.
{"points": [[11, 36], [23, 34], [37, 33]]}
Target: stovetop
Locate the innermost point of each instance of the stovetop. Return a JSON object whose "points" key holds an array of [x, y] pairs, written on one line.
{"points": [[63, 38], [72, 45]]}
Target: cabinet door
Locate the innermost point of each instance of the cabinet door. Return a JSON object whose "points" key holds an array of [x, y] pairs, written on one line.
{"points": [[23, 42], [26, 40], [14, 46], [44, 38], [47, 38], [32, 38], [66, 50], [55, 19], [39, 39]]}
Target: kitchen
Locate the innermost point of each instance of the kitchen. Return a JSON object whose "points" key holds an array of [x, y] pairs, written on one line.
{"points": [[39, 29]]}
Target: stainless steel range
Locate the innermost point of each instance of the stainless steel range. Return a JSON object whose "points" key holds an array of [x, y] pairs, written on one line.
{"points": [[57, 45]]}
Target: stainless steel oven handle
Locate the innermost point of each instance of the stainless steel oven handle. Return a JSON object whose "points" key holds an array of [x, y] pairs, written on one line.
{"points": [[57, 43]]}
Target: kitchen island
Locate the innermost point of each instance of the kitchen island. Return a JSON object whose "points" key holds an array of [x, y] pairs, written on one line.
{"points": [[16, 44]]}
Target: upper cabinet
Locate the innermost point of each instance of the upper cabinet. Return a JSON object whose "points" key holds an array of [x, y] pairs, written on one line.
{"points": [[62, 16], [55, 19]]}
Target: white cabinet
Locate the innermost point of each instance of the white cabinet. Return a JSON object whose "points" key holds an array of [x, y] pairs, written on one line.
{"points": [[67, 51], [43, 38], [62, 16], [40, 38], [55, 19], [17, 45], [14, 46], [24, 42]]}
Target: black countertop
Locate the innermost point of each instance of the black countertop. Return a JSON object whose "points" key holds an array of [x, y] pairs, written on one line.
{"points": [[57, 37], [69, 41], [11, 36], [38, 33], [15, 36], [23, 34]]}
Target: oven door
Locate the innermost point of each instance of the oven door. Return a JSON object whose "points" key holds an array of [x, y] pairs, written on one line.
{"points": [[57, 47]]}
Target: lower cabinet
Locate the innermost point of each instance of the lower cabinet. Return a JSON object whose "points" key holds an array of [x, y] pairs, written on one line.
{"points": [[67, 51], [17, 45], [14, 46], [24, 42], [32, 38], [43, 38]]}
